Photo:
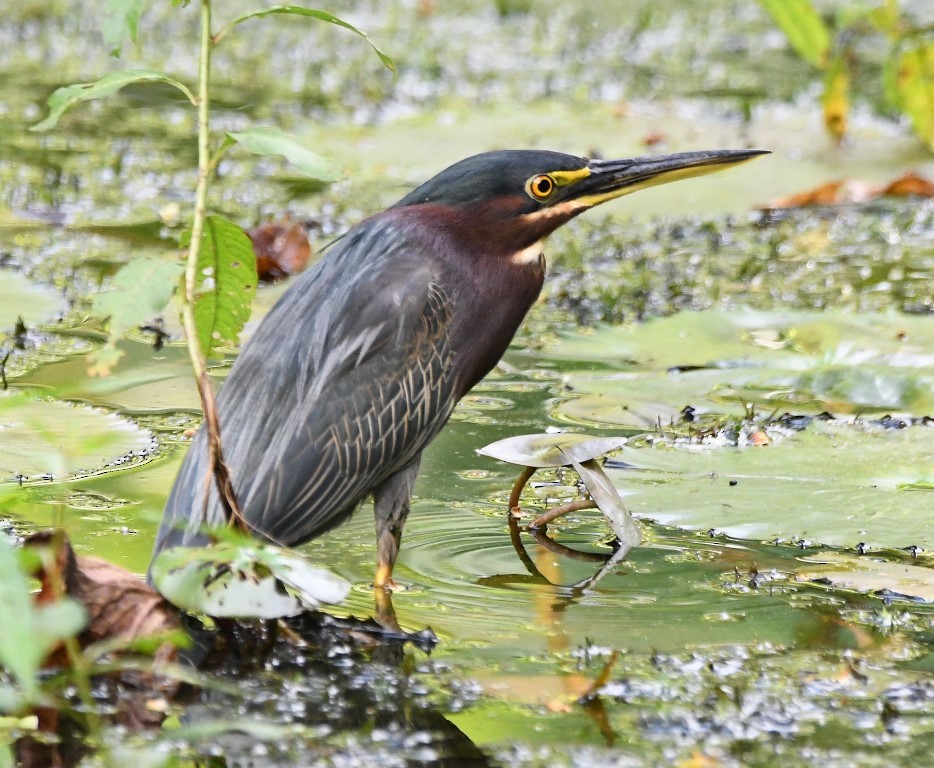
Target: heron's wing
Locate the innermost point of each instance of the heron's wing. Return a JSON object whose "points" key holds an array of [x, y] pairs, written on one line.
{"points": [[344, 383]]}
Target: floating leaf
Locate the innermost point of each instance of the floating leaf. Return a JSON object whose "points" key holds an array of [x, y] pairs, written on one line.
{"points": [[832, 484], [547, 450], [296, 10], [803, 27], [43, 436], [855, 191], [580, 452], [65, 98], [721, 361], [272, 141], [244, 580], [868, 574], [20, 298], [226, 284]]}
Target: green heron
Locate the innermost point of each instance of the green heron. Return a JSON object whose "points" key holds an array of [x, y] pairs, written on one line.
{"points": [[362, 360]]}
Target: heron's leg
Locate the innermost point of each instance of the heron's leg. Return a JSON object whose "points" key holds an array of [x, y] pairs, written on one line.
{"points": [[391, 507]]}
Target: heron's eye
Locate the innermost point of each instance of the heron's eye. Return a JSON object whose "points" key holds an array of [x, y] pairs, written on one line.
{"points": [[541, 186]]}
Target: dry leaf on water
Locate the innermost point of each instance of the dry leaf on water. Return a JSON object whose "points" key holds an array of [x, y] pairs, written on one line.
{"points": [[281, 247], [855, 191], [119, 604]]}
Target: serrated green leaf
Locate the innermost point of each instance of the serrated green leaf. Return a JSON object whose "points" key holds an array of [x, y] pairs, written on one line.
{"points": [[138, 293], [121, 18], [295, 10], [804, 28], [66, 97], [914, 86], [226, 284], [272, 141]]}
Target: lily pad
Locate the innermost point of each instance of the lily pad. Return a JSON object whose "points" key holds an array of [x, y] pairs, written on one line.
{"points": [[832, 484], [41, 437], [722, 361], [868, 574], [21, 298], [550, 450]]}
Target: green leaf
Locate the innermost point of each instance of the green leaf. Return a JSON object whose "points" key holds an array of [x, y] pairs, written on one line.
{"points": [[226, 284], [296, 10], [914, 86], [138, 293], [65, 98], [29, 632], [121, 17], [803, 27], [886, 18], [244, 580], [272, 141], [17, 649]]}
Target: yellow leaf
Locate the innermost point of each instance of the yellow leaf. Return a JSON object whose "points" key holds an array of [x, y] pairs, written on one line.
{"points": [[914, 85], [836, 99]]}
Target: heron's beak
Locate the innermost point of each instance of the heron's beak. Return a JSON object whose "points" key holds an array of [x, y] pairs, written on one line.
{"points": [[602, 180]]}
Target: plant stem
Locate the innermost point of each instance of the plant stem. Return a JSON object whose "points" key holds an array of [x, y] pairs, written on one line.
{"points": [[205, 168]]}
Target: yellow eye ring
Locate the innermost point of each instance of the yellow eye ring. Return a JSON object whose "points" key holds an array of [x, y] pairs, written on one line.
{"points": [[541, 186]]}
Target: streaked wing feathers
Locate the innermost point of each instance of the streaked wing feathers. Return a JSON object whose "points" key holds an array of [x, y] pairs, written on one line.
{"points": [[343, 384]]}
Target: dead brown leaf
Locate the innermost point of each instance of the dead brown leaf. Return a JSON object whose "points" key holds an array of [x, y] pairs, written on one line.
{"points": [[855, 191], [281, 248], [910, 184], [119, 604], [759, 438]]}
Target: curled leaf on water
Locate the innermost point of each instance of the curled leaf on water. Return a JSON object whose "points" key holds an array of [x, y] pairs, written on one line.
{"points": [[582, 453], [550, 450], [244, 580]]}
